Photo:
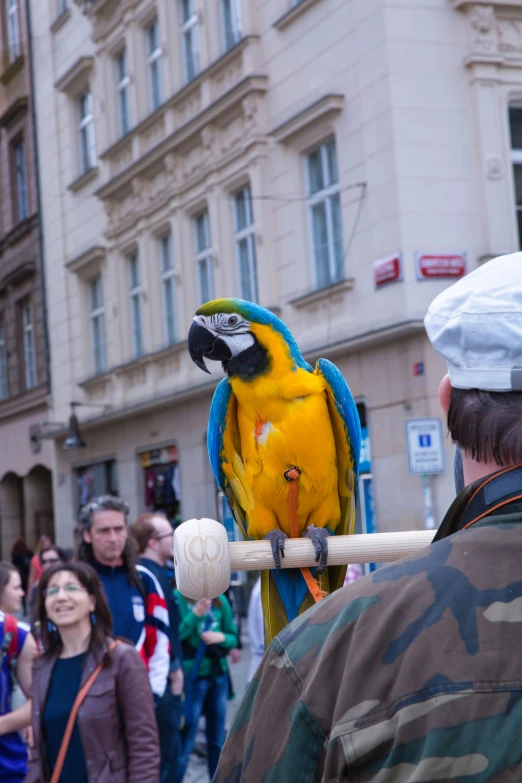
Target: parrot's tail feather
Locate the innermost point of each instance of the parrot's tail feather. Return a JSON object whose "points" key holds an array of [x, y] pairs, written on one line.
{"points": [[286, 594]]}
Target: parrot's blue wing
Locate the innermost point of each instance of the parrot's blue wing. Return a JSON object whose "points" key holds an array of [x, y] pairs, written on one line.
{"points": [[224, 451], [346, 427]]}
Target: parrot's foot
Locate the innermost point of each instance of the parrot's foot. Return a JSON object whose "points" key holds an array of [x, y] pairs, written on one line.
{"points": [[277, 540], [319, 538]]}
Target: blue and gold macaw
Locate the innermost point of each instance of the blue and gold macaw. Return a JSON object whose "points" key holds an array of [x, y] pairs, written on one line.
{"points": [[272, 413]]}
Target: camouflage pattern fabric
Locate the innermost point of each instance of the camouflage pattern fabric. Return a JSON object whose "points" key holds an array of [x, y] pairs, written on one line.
{"points": [[413, 673]]}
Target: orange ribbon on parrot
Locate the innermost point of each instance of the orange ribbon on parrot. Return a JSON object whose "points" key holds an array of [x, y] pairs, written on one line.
{"points": [[292, 476]]}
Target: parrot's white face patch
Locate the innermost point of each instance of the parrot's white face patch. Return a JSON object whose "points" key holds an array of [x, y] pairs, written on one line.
{"points": [[232, 328]]}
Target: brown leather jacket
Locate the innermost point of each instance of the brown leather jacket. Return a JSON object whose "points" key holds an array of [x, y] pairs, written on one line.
{"points": [[117, 720]]}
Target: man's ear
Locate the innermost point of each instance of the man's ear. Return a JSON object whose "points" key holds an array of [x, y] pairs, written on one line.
{"points": [[86, 534], [445, 394]]}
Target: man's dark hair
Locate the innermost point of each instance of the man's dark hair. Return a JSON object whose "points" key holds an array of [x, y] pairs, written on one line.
{"points": [[487, 425], [85, 551]]}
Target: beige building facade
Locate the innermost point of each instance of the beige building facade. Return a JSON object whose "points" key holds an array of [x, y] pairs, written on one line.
{"points": [[340, 163]]}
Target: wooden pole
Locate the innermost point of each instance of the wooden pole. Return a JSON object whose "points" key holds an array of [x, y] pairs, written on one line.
{"points": [[299, 552], [204, 558]]}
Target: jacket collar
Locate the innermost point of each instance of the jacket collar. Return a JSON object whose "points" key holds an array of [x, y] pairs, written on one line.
{"points": [[45, 666], [486, 497], [107, 570]]}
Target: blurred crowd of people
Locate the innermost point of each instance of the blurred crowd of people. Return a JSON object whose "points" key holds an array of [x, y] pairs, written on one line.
{"points": [[117, 666]]}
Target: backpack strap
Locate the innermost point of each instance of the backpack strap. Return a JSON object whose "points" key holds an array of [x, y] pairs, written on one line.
{"points": [[10, 638]]}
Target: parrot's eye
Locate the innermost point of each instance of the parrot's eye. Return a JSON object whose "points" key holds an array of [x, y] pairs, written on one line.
{"points": [[232, 321]]}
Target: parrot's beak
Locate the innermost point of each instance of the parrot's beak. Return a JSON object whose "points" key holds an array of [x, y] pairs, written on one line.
{"points": [[201, 343]]}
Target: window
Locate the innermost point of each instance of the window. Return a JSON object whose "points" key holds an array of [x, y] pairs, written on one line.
{"points": [[245, 244], [29, 354], [204, 258], [231, 21], [22, 205], [3, 364], [154, 64], [86, 133], [136, 302], [97, 325], [168, 288], [515, 124], [325, 214], [189, 38], [13, 30], [122, 87]]}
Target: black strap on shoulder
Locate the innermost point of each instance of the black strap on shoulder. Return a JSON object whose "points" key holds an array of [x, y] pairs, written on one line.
{"points": [[482, 498]]}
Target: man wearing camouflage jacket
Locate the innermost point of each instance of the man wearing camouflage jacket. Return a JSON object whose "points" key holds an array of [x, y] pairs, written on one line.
{"points": [[414, 672]]}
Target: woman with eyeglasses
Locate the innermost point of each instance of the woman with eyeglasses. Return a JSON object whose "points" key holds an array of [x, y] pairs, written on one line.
{"points": [[114, 738]]}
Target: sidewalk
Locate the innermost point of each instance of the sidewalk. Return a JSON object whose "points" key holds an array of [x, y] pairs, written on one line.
{"points": [[197, 770]]}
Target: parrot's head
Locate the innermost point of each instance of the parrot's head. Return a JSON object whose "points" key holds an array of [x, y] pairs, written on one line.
{"points": [[241, 335]]}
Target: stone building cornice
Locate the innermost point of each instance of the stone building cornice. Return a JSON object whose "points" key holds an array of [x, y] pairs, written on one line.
{"points": [[466, 4], [324, 107], [13, 111]]}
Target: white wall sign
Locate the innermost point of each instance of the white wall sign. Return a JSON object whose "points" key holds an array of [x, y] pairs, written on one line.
{"points": [[425, 443]]}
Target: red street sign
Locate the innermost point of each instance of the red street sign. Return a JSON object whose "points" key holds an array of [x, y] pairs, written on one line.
{"points": [[431, 266], [387, 270]]}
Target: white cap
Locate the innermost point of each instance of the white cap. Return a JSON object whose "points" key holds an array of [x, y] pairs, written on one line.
{"points": [[476, 324]]}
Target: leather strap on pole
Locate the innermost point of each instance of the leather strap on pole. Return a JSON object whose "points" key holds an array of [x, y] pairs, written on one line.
{"points": [[82, 693], [292, 476]]}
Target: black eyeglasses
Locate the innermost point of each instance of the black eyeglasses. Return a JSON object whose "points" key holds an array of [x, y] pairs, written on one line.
{"points": [[165, 535], [50, 560]]}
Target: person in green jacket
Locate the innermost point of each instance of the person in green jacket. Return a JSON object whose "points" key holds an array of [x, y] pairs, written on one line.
{"points": [[208, 633]]}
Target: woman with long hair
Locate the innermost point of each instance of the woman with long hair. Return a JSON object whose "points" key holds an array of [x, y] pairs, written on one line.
{"points": [[114, 737], [17, 652]]}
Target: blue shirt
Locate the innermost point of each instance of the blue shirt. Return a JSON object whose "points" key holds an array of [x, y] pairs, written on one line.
{"points": [[63, 689], [13, 753]]}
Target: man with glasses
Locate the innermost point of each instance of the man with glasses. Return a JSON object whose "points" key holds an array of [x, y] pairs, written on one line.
{"points": [[135, 597], [154, 539]]}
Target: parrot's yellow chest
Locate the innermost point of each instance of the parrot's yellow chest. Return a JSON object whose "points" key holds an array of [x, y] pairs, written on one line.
{"points": [[283, 423]]}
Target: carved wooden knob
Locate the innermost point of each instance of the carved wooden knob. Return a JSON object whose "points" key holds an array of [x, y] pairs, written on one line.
{"points": [[201, 559]]}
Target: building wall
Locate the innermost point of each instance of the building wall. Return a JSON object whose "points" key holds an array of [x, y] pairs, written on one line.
{"points": [[23, 361], [415, 96]]}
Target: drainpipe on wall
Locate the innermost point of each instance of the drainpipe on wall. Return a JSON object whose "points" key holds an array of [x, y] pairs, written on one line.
{"points": [[38, 198]]}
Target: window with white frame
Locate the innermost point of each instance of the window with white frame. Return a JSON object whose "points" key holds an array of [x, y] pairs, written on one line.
{"points": [[204, 257], [245, 243], [168, 288], [122, 89], [22, 203], [189, 38], [325, 214], [3, 364], [29, 352], [97, 316], [136, 306], [154, 64], [231, 21], [515, 126], [14, 47], [86, 143]]}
